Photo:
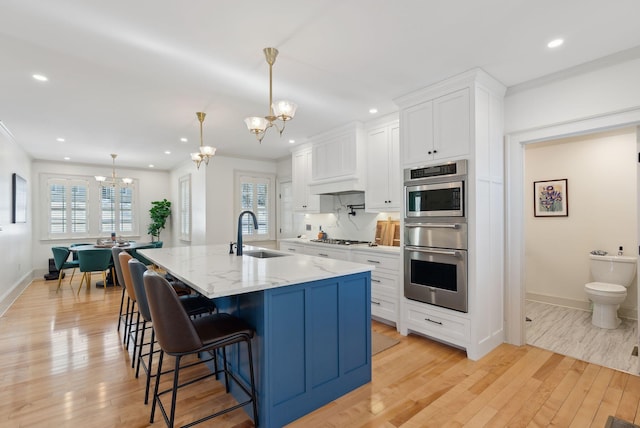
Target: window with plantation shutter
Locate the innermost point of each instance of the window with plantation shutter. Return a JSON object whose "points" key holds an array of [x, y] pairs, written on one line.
{"points": [[255, 194], [67, 208], [78, 207]]}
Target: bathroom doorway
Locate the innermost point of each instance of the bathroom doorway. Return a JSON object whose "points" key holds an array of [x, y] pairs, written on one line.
{"points": [[598, 176], [518, 205]]}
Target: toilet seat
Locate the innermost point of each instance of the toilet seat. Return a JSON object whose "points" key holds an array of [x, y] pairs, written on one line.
{"points": [[605, 288]]}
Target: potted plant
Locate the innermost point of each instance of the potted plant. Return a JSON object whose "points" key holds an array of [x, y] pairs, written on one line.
{"points": [[159, 212]]}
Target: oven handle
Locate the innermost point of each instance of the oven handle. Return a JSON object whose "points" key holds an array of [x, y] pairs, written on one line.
{"points": [[434, 225], [433, 251]]}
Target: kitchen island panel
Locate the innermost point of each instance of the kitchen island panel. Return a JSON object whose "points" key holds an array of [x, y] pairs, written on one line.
{"points": [[312, 344]]}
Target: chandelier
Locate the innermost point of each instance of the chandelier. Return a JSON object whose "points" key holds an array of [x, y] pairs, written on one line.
{"points": [[206, 152], [278, 111], [113, 181]]}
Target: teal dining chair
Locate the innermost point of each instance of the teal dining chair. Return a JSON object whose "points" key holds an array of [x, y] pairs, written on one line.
{"points": [[60, 256], [94, 260]]}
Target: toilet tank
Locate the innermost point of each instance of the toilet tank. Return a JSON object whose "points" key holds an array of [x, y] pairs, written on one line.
{"points": [[613, 269]]}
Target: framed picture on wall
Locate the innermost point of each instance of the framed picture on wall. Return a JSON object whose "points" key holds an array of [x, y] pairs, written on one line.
{"points": [[19, 199], [550, 198]]}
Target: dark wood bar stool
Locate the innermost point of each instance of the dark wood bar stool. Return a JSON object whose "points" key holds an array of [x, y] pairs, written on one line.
{"points": [[180, 336]]}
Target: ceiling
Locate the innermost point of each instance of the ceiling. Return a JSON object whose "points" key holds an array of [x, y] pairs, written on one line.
{"points": [[127, 77]]}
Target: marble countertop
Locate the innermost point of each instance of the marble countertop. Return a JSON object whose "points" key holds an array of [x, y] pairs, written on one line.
{"points": [[213, 272], [378, 248]]}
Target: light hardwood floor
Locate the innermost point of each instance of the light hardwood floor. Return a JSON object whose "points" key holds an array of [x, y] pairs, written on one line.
{"points": [[62, 364]]}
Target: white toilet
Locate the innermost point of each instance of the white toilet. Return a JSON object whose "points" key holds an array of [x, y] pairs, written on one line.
{"points": [[612, 275]]}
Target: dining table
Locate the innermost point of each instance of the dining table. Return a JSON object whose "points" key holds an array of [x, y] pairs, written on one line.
{"points": [[107, 246]]}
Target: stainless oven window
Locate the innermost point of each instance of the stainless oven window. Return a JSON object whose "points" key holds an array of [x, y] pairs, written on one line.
{"points": [[437, 276], [433, 274], [435, 200]]}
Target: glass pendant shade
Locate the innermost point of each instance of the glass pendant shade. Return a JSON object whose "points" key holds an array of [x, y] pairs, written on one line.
{"points": [[284, 110], [100, 178], [256, 124], [207, 150]]}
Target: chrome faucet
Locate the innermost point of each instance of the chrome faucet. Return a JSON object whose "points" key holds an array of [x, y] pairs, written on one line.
{"points": [[255, 226]]}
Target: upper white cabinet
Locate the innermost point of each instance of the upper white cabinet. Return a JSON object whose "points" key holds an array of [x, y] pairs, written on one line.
{"points": [[303, 201], [338, 160], [384, 174], [435, 129]]}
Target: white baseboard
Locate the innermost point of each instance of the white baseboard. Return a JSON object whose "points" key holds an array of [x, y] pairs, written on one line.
{"points": [[10, 296], [623, 312]]}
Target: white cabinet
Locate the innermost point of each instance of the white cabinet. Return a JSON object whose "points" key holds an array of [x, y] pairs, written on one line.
{"points": [[436, 129], [303, 200], [292, 247], [338, 161], [384, 181], [438, 323], [327, 251], [385, 280]]}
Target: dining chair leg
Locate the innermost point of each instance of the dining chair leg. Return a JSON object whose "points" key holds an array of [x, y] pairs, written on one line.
{"points": [[73, 272], [84, 276], [59, 279]]}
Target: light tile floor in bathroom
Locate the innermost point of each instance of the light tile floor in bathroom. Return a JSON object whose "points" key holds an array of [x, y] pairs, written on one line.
{"points": [[570, 332]]}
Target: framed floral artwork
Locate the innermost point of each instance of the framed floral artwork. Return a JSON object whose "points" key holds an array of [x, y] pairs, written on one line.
{"points": [[550, 198]]}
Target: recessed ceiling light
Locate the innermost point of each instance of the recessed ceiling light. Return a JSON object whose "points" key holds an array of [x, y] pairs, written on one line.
{"points": [[67, 158], [40, 77], [184, 140], [167, 152], [60, 139], [373, 110], [555, 43], [292, 141], [151, 165]]}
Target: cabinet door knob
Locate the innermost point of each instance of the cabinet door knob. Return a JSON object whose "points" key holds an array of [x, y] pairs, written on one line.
{"points": [[435, 151], [429, 152]]}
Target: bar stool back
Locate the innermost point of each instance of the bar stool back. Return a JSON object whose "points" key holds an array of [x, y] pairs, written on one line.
{"points": [[179, 336]]}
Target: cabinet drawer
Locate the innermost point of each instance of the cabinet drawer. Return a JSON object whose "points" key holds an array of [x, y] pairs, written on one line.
{"points": [[292, 248], [329, 253], [384, 307], [438, 324], [384, 283], [379, 261]]}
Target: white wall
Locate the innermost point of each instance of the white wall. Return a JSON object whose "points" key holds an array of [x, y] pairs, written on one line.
{"points": [[573, 96], [602, 200], [153, 186], [15, 239], [214, 220]]}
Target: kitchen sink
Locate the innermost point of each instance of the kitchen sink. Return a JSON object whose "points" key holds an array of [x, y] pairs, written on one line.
{"points": [[261, 254]]}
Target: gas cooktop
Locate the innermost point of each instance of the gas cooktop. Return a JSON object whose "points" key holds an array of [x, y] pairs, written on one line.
{"points": [[339, 241]]}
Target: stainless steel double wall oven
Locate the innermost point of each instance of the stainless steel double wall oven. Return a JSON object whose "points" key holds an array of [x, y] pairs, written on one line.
{"points": [[435, 235]]}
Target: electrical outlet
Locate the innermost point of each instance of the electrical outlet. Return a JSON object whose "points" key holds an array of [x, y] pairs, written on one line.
{"points": [[308, 227]]}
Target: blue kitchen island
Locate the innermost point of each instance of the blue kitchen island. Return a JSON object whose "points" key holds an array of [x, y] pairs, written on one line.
{"points": [[312, 318]]}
